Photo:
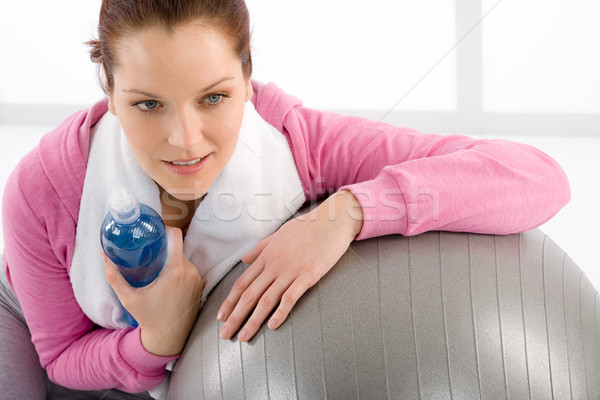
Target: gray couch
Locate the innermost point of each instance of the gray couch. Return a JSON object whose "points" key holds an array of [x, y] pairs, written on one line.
{"points": [[436, 316]]}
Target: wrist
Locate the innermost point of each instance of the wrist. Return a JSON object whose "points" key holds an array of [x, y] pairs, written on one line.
{"points": [[349, 210], [169, 339], [162, 345]]}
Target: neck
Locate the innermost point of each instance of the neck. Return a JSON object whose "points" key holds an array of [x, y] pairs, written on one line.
{"points": [[175, 212]]}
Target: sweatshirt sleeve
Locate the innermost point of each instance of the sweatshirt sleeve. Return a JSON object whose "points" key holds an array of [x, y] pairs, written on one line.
{"points": [[408, 182], [75, 352]]}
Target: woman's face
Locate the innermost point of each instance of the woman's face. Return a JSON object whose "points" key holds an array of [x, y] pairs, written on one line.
{"points": [[180, 100]]}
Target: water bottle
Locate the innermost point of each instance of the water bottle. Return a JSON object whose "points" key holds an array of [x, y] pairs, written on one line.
{"points": [[133, 236]]}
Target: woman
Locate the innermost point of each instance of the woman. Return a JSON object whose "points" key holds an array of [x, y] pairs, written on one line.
{"points": [[177, 78]]}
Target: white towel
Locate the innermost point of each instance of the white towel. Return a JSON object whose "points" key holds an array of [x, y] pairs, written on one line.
{"points": [[258, 190]]}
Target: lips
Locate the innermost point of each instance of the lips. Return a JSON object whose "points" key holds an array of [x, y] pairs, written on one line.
{"points": [[187, 162], [186, 167]]}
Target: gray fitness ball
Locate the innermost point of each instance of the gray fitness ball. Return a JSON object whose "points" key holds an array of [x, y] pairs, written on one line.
{"points": [[436, 316]]}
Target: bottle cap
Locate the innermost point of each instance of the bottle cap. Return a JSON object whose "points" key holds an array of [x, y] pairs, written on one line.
{"points": [[124, 206]]}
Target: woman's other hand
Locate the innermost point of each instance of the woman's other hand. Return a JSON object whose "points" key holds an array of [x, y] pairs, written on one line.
{"points": [[289, 262], [167, 308]]}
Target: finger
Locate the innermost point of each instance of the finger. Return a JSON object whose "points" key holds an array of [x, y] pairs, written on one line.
{"points": [[246, 304], [288, 300], [116, 279], [266, 304], [174, 240], [240, 285], [253, 254], [174, 251]]}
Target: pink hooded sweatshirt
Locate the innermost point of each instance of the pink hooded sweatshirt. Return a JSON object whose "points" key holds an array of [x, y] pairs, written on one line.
{"points": [[407, 183]]}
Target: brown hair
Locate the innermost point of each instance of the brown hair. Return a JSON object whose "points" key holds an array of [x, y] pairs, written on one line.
{"points": [[120, 18]]}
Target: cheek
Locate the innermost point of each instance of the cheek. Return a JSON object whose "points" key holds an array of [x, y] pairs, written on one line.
{"points": [[143, 138], [229, 132], [231, 120]]}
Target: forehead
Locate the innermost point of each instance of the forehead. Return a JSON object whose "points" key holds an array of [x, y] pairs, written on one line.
{"points": [[186, 49]]}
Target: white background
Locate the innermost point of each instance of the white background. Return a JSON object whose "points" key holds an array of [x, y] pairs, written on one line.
{"points": [[538, 56]]}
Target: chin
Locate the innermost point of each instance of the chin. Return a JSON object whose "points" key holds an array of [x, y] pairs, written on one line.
{"points": [[192, 198], [186, 194]]}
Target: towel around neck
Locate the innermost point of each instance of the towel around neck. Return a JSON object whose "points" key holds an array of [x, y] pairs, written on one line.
{"points": [[258, 190]]}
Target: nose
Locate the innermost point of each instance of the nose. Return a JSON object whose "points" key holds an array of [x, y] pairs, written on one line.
{"points": [[186, 129]]}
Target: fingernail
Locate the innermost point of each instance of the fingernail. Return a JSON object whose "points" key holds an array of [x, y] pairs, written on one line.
{"points": [[221, 315], [243, 334], [272, 324], [225, 332]]}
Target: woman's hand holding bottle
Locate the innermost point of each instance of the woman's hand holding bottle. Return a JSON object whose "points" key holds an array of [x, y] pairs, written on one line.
{"points": [[167, 308]]}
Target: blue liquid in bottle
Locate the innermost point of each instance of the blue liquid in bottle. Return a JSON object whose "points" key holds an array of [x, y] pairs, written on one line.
{"points": [[133, 236]]}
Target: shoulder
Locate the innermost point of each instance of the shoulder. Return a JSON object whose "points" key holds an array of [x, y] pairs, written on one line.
{"points": [[273, 104], [44, 190], [56, 167]]}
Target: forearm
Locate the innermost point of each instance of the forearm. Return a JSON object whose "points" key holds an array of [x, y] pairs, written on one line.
{"points": [[106, 359], [408, 182], [168, 341], [76, 353], [493, 187]]}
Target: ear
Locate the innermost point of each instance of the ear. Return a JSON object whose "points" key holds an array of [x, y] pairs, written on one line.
{"points": [[249, 90], [111, 105]]}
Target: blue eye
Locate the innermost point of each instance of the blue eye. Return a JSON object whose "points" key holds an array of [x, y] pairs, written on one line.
{"points": [[214, 98], [150, 104]]}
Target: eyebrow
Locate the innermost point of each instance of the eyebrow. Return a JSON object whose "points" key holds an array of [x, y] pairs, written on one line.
{"points": [[206, 89]]}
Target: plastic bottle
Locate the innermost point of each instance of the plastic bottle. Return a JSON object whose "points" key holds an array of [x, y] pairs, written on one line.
{"points": [[133, 236]]}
